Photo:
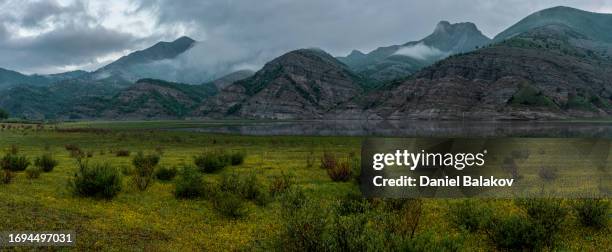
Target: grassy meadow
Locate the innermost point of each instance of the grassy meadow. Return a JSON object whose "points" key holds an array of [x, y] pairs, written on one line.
{"points": [[154, 219]]}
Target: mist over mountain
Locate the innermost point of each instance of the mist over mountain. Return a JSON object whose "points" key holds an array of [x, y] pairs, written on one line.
{"points": [[553, 64], [304, 83], [134, 66], [387, 63]]}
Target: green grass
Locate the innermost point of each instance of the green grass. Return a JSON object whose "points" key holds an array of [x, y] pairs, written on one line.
{"points": [[155, 220]]}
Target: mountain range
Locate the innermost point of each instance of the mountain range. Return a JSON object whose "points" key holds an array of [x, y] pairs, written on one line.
{"points": [[553, 64]]}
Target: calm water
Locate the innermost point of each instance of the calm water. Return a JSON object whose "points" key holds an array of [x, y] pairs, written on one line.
{"points": [[414, 129]]}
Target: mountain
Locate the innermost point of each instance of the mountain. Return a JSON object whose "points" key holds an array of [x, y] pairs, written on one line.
{"points": [[593, 25], [56, 100], [152, 99], [67, 75], [548, 72], [134, 66], [391, 62], [231, 78], [301, 84], [9, 78]]}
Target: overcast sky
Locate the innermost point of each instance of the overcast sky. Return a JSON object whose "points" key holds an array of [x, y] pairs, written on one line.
{"points": [[60, 35]]}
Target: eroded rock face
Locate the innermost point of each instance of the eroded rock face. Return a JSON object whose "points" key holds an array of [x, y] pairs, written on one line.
{"points": [[500, 82], [302, 84], [150, 98]]}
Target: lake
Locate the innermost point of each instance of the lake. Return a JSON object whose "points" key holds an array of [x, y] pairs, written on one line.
{"points": [[586, 129]]}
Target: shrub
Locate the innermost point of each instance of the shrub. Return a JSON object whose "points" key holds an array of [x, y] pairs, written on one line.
{"points": [[468, 215], [340, 172], [210, 162], [536, 229], [293, 200], [122, 153], [165, 173], [510, 233], [328, 160], [247, 187], [14, 162], [189, 184], [349, 233], [304, 229], [251, 188], [280, 184], [237, 158], [592, 212], [408, 217], [46, 162], [6, 176], [353, 203], [230, 204], [428, 241], [97, 180], [144, 168], [33, 172]]}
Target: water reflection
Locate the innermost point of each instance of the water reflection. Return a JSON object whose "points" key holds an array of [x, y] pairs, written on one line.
{"points": [[416, 129]]}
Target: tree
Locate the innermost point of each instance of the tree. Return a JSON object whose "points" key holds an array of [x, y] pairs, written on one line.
{"points": [[3, 114]]}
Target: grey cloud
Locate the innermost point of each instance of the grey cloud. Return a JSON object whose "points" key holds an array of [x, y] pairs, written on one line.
{"points": [[248, 33], [68, 46], [75, 37]]}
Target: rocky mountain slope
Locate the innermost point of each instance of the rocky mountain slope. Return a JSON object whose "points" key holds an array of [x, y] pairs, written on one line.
{"points": [[153, 99], [304, 83], [596, 26], [544, 73], [134, 66], [550, 65], [391, 62]]}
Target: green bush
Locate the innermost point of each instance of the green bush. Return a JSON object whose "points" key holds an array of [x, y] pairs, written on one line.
{"points": [[511, 233], [14, 162], [33, 172], [293, 200], [349, 233], [592, 212], [353, 203], [165, 173], [46, 162], [470, 216], [237, 158], [210, 162], [97, 180], [546, 216], [537, 227], [144, 168], [188, 183], [247, 187], [304, 229], [428, 241], [230, 204]]}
